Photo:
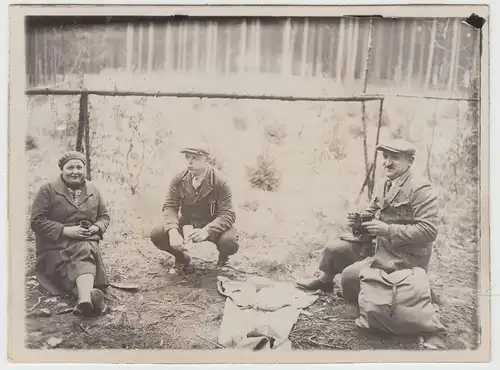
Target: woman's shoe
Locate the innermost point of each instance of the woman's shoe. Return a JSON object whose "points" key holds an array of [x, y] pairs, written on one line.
{"points": [[97, 297], [83, 308]]}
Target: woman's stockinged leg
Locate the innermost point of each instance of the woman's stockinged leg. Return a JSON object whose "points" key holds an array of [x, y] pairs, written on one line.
{"points": [[84, 285]]}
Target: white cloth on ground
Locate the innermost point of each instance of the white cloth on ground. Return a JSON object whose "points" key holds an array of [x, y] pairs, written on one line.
{"points": [[260, 313]]}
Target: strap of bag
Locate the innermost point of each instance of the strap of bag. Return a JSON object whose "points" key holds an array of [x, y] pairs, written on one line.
{"points": [[392, 305]]}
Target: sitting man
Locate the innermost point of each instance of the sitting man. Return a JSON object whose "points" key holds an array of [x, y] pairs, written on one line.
{"points": [[204, 200], [404, 212]]}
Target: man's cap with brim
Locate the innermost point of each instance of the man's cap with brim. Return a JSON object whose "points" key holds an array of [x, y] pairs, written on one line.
{"points": [[398, 146], [198, 151]]}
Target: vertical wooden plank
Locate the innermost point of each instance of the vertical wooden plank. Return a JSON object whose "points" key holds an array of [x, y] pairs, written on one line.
{"points": [[423, 43], [378, 49], [45, 57], [257, 45], [168, 45], [53, 58], [208, 45], [214, 46], [349, 37], [340, 54], [368, 57], [243, 47], [185, 65], [141, 37], [320, 47], [311, 60], [454, 52], [196, 44], [60, 62], [354, 45], [411, 56], [305, 39], [130, 46], [401, 45], [331, 51], [180, 46], [151, 46], [285, 49], [227, 62], [431, 53]]}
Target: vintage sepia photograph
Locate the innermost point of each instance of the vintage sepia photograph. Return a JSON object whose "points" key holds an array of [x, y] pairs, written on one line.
{"points": [[277, 180]]}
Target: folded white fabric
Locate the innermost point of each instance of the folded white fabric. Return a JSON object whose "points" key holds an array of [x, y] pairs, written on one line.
{"points": [[259, 313]]}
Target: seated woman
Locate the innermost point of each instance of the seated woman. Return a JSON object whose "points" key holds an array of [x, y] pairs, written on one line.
{"points": [[69, 218]]}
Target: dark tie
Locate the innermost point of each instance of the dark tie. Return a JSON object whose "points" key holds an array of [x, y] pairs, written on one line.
{"points": [[388, 185]]}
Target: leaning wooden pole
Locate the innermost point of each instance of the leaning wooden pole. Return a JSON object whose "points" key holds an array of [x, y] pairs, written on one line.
{"points": [[363, 106], [379, 126]]}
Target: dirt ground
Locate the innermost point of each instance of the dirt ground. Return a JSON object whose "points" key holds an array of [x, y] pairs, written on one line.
{"points": [[185, 311]]}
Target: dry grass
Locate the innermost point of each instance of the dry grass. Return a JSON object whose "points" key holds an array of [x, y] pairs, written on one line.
{"points": [[319, 157]]}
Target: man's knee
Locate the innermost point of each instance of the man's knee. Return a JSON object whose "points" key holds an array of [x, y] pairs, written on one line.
{"points": [[228, 243], [158, 237], [338, 248], [349, 280]]}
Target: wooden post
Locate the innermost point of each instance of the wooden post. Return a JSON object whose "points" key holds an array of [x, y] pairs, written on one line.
{"points": [[363, 105], [82, 117], [87, 135]]}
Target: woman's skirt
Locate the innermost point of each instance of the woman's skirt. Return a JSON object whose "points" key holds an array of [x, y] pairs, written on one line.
{"points": [[58, 269]]}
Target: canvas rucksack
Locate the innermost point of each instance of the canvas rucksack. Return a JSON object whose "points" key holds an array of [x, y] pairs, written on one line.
{"points": [[399, 302]]}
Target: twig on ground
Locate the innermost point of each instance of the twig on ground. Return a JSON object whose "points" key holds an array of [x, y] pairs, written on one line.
{"points": [[310, 341], [211, 342], [348, 340], [84, 329], [66, 310], [141, 253], [195, 304], [161, 319], [297, 344], [36, 304], [243, 272]]}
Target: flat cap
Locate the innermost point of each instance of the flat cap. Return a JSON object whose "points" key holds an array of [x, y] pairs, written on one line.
{"points": [[398, 146], [196, 150]]}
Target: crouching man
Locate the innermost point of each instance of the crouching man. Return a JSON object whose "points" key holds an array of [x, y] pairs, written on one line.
{"points": [[405, 213], [200, 197]]}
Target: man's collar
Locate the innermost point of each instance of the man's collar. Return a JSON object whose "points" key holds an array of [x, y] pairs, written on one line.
{"points": [[401, 178], [202, 175]]}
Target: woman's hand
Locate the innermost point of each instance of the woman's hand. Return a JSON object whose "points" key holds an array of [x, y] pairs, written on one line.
{"points": [[93, 229], [76, 232]]}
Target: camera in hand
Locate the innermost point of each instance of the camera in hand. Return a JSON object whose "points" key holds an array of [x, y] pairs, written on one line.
{"points": [[360, 218]]}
